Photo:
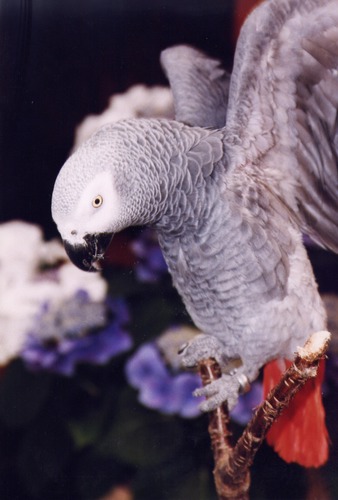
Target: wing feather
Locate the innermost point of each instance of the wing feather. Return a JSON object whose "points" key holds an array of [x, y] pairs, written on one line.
{"points": [[282, 112], [199, 84]]}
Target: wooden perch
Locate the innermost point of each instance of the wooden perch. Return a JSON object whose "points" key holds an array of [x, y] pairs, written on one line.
{"points": [[232, 464]]}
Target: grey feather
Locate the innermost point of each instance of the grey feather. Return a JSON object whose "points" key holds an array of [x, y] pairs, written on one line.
{"points": [[284, 88], [229, 204], [199, 84]]}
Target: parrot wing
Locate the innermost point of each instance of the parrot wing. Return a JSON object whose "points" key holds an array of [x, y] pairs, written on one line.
{"points": [[282, 110], [199, 84]]}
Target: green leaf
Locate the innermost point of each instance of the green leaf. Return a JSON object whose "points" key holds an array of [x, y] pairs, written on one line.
{"points": [[141, 437], [86, 431], [22, 394]]}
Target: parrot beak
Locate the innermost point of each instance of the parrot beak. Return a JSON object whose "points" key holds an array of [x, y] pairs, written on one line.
{"points": [[89, 255]]}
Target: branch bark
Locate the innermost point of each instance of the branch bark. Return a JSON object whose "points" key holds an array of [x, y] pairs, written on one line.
{"points": [[232, 464]]}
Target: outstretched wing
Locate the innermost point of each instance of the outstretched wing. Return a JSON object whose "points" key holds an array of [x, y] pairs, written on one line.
{"points": [[199, 84], [282, 112]]}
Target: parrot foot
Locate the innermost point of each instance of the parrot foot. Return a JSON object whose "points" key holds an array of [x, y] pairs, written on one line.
{"points": [[203, 347], [233, 381], [227, 388]]}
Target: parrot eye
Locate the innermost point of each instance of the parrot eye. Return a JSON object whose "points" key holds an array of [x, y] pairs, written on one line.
{"points": [[97, 201]]}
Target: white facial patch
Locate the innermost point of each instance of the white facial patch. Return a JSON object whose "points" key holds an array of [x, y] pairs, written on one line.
{"points": [[89, 216]]}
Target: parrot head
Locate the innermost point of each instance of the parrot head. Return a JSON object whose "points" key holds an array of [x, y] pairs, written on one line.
{"points": [[100, 190], [85, 221], [86, 203]]}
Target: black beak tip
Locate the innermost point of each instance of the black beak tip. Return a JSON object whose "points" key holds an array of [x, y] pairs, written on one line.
{"points": [[89, 255], [79, 256]]}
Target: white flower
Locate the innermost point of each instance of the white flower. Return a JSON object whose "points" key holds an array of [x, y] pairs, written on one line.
{"points": [[26, 282]]}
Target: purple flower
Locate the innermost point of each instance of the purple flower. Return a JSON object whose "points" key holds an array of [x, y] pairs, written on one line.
{"points": [[145, 366], [184, 385], [151, 264], [158, 388], [247, 403], [170, 393], [76, 331]]}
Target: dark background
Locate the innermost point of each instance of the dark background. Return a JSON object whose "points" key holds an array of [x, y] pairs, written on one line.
{"points": [[62, 59]]}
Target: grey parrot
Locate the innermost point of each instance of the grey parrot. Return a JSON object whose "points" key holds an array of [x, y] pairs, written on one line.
{"points": [[230, 186]]}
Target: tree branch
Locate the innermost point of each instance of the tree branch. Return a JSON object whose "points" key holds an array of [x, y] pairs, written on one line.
{"points": [[232, 464]]}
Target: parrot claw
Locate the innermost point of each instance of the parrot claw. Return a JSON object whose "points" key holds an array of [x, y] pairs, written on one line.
{"points": [[225, 389], [234, 379], [200, 348]]}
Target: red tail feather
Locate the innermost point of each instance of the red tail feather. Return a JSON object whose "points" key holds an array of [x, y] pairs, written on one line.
{"points": [[300, 434]]}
